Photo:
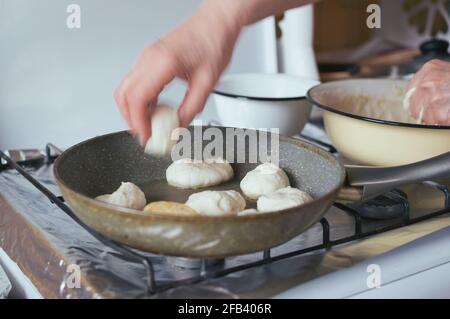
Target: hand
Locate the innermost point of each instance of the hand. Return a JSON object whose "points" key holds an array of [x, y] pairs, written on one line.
{"points": [[431, 97], [197, 51]]}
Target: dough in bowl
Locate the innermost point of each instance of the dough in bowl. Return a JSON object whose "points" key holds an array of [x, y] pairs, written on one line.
{"points": [[127, 195], [164, 121], [264, 179], [188, 173], [216, 203], [282, 199]]}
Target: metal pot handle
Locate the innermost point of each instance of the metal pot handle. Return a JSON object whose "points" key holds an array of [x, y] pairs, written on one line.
{"points": [[373, 181]]}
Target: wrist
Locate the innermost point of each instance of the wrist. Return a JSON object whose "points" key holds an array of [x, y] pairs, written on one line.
{"points": [[233, 12]]}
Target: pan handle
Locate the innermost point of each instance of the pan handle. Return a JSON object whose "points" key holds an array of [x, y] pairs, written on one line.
{"points": [[369, 182]]}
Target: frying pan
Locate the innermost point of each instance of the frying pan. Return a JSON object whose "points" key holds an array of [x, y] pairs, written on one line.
{"points": [[98, 166], [365, 120]]}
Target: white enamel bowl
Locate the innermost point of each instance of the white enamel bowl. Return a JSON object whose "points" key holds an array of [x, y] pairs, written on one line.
{"points": [[263, 101]]}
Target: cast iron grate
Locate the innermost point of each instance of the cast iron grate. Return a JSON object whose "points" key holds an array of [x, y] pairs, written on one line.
{"points": [[360, 232]]}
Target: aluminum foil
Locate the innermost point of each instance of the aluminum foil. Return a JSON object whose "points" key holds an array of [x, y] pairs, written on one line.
{"points": [[5, 284]]}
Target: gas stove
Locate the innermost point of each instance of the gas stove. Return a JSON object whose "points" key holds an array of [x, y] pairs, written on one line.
{"points": [[63, 258]]}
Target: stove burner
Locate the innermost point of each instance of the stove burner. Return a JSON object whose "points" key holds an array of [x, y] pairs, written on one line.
{"points": [[193, 263], [388, 206], [186, 272]]}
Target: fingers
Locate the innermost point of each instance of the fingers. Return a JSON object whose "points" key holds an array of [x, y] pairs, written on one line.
{"points": [[427, 116], [428, 104], [121, 101], [419, 101], [194, 101], [439, 110], [428, 68], [431, 97], [139, 91], [138, 101]]}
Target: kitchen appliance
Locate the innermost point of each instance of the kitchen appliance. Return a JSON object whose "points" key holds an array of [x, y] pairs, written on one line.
{"points": [[430, 50], [403, 64], [47, 241], [366, 123], [50, 244], [295, 44], [263, 101], [396, 64], [88, 170]]}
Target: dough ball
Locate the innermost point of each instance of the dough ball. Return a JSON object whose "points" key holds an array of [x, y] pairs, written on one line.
{"points": [[127, 195], [216, 203], [164, 121], [188, 173], [264, 179], [170, 208], [282, 199], [250, 211]]}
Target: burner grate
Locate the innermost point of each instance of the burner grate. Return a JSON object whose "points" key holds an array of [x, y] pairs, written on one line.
{"points": [[363, 228]]}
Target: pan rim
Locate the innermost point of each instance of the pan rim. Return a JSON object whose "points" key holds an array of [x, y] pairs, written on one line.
{"points": [[140, 214], [217, 90], [366, 118]]}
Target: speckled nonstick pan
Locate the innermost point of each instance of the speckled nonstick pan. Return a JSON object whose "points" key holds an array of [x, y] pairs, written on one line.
{"points": [[98, 166]]}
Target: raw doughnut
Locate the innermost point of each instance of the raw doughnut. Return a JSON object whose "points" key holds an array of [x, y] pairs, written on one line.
{"points": [[216, 203], [188, 173], [170, 208], [250, 211], [264, 179], [164, 121], [127, 195], [282, 199]]}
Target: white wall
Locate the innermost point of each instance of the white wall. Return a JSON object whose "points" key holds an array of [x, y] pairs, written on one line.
{"points": [[56, 84]]}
